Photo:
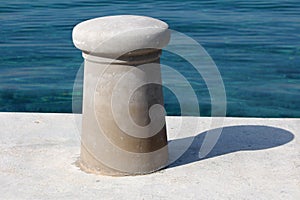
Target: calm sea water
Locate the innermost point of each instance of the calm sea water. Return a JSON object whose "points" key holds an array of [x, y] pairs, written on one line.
{"points": [[255, 44]]}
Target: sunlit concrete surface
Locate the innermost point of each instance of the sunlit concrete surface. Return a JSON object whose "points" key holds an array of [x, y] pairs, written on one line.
{"points": [[252, 159]]}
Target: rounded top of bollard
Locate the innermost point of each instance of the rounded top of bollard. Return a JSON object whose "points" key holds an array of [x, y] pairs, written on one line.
{"points": [[113, 36]]}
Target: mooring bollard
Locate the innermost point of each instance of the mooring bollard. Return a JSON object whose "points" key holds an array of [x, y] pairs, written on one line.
{"points": [[123, 121]]}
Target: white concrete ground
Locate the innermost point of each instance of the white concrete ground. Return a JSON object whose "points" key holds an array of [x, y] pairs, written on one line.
{"points": [[252, 159]]}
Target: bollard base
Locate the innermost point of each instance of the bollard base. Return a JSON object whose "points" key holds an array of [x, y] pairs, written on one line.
{"points": [[96, 167]]}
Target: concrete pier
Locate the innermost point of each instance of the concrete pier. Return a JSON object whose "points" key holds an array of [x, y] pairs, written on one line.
{"points": [[254, 158]]}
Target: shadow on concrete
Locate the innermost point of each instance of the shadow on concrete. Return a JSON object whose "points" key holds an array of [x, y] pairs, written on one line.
{"points": [[232, 139]]}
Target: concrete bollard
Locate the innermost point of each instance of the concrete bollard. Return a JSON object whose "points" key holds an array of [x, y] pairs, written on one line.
{"points": [[123, 121]]}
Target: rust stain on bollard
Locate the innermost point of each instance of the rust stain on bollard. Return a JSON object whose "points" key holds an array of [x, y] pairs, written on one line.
{"points": [[123, 124]]}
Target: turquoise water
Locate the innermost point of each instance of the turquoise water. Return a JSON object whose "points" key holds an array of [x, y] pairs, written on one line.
{"points": [[255, 44]]}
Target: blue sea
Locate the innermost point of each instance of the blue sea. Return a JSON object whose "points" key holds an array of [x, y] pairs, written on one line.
{"points": [[255, 45]]}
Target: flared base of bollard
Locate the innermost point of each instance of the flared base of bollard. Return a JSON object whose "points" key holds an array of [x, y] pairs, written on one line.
{"points": [[96, 167], [104, 170]]}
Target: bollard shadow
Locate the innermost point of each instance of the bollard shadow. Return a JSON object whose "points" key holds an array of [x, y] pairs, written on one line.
{"points": [[232, 139]]}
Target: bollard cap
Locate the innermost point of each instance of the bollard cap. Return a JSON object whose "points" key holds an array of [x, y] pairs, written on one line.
{"points": [[113, 36]]}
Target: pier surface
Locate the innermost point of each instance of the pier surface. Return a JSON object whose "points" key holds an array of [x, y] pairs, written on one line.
{"points": [[253, 158]]}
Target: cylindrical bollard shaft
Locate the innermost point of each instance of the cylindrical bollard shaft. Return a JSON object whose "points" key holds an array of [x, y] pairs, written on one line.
{"points": [[123, 121]]}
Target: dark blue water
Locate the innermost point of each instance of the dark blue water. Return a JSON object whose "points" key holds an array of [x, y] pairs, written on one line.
{"points": [[255, 44]]}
